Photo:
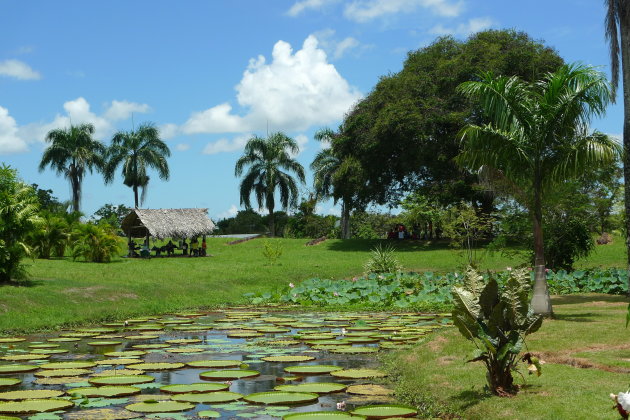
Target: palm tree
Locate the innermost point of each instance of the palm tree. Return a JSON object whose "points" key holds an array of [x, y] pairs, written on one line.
{"points": [[325, 167], [270, 163], [537, 137], [72, 151], [50, 237], [618, 36], [138, 150]]}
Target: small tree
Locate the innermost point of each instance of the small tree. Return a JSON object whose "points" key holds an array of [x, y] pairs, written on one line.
{"points": [[95, 243], [50, 237], [18, 218], [496, 319], [466, 227]]}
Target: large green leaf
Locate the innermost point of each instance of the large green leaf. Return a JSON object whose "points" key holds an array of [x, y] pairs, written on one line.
{"points": [[489, 297]]}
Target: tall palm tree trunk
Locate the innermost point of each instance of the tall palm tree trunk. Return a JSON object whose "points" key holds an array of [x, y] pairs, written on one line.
{"points": [[541, 302], [345, 220], [75, 184], [135, 195], [624, 28], [272, 223]]}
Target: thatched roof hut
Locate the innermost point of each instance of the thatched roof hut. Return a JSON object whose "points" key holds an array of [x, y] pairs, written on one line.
{"points": [[167, 223]]}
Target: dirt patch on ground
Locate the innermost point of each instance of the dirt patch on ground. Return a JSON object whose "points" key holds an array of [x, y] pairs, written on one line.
{"points": [[446, 360], [604, 303], [84, 292], [122, 296], [580, 362], [437, 343]]}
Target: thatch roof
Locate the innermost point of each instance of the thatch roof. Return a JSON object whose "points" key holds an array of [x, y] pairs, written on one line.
{"points": [[167, 223]]}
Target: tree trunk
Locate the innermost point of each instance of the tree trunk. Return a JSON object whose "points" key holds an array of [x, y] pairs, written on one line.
{"points": [[500, 379], [272, 223], [135, 195], [345, 220], [75, 184], [624, 29], [541, 302]]}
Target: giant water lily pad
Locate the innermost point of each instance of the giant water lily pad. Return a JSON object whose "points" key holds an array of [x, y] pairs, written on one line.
{"points": [[312, 369], [105, 391], [194, 388], [369, 389], [7, 340], [68, 365], [209, 414], [159, 407], [29, 394], [17, 368], [119, 361], [208, 397], [385, 411], [126, 353], [4, 382], [184, 341], [104, 343], [322, 415], [228, 374], [25, 357], [121, 380], [186, 350], [209, 364], [48, 351], [43, 346], [289, 358], [55, 373], [34, 406], [102, 414], [313, 387], [156, 366], [281, 398], [353, 349], [359, 373], [115, 372]]}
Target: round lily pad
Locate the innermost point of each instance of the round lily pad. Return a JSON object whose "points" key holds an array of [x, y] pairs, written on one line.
{"points": [[194, 388], [186, 350], [141, 337], [313, 387], [288, 358], [34, 406], [68, 365], [246, 334], [17, 368], [28, 394], [359, 373], [210, 364], [104, 343], [9, 382], [353, 349], [63, 339], [208, 397], [369, 389], [121, 380], [126, 353], [55, 373], [385, 411], [159, 407], [228, 374], [322, 415], [105, 391], [118, 361], [101, 414], [48, 351], [184, 341], [115, 372], [156, 366], [281, 398], [43, 346], [25, 357], [11, 339], [209, 414], [150, 346], [312, 369]]}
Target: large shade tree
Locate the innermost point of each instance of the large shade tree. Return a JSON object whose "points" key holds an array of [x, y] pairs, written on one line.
{"points": [[72, 152], [270, 162], [537, 136], [618, 35], [138, 151]]}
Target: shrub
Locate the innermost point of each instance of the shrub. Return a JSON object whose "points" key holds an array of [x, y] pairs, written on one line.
{"points": [[496, 319], [272, 251], [95, 243], [382, 260], [50, 237]]}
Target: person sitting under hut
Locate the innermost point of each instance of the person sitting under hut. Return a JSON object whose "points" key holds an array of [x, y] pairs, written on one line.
{"points": [[170, 248], [204, 248], [184, 247], [194, 248], [158, 250], [132, 249]]}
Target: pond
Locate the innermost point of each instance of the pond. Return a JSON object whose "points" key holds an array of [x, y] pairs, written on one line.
{"points": [[237, 363]]}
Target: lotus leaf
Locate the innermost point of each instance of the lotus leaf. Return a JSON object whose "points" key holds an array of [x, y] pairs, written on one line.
{"points": [[68, 365], [228, 374], [214, 363], [55, 373], [312, 369], [121, 380], [194, 388], [295, 358], [34, 406], [159, 407], [156, 366], [208, 397], [385, 411], [322, 415], [17, 368], [280, 397], [316, 387], [359, 373], [9, 382], [29, 394]]}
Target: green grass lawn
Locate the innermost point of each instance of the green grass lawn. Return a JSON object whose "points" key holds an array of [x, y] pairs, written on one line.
{"points": [[63, 292], [587, 357]]}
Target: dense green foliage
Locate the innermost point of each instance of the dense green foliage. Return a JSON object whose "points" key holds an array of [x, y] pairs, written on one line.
{"points": [[137, 151], [497, 320], [18, 217], [111, 214], [270, 162], [50, 237], [382, 260], [95, 243]]}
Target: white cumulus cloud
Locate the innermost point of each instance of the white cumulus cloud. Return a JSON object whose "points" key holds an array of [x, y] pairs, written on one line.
{"points": [[337, 48], [10, 142], [367, 10], [122, 110], [18, 69], [225, 145], [303, 5], [168, 131], [182, 147], [294, 91], [231, 212], [463, 29]]}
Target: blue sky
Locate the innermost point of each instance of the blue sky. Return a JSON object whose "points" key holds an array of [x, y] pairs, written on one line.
{"points": [[212, 73]]}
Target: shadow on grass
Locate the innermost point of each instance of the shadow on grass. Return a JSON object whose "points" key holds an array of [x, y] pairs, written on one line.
{"points": [[583, 299], [470, 398], [405, 245], [22, 283], [585, 317]]}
